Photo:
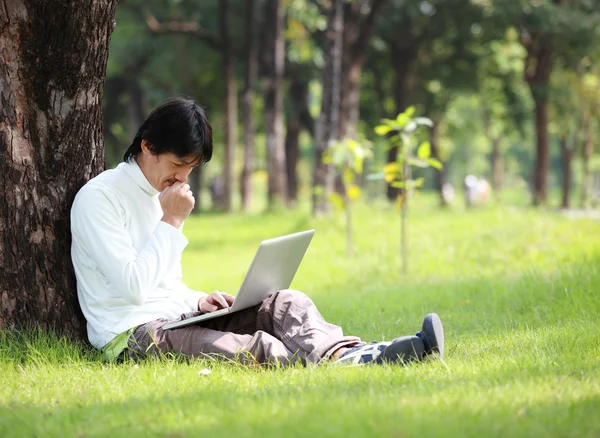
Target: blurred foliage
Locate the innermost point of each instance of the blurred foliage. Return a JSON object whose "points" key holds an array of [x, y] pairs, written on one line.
{"points": [[460, 62]]}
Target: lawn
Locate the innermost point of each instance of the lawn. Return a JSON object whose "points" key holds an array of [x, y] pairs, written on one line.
{"points": [[517, 290]]}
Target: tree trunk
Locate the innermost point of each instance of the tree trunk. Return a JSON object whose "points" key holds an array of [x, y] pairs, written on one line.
{"points": [[566, 154], [542, 162], [51, 143], [277, 190], [298, 118], [249, 83], [435, 153], [495, 142], [497, 168], [195, 178], [538, 68], [587, 151], [327, 125], [230, 105], [357, 32], [195, 181], [292, 152], [403, 52]]}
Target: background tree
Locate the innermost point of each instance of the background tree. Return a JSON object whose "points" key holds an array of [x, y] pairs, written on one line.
{"points": [[327, 125]]}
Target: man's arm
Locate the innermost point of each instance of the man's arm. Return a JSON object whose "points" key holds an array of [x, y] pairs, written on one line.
{"points": [[98, 227]]}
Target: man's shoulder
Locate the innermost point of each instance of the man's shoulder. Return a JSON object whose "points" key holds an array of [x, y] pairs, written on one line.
{"points": [[106, 186]]}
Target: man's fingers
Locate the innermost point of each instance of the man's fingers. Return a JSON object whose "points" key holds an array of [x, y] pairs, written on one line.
{"points": [[220, 299]]}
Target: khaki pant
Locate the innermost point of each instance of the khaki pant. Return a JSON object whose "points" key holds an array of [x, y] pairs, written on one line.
{"points": [[285, 328]]}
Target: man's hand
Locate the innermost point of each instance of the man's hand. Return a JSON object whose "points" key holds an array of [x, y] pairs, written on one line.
{"points": [[215, 301], [177, 201]]}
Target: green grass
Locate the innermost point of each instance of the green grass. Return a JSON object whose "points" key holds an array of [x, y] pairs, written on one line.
{"points": [[517, 290]]}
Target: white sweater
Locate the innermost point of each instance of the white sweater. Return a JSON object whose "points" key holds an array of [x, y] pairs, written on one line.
{"points": [[127, 262]]}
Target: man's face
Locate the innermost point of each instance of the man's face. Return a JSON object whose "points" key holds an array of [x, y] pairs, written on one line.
{"points": [[163, 170]]}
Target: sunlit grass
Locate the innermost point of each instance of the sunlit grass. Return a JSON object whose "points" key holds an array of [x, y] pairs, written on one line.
{"points": [[517, 290]]}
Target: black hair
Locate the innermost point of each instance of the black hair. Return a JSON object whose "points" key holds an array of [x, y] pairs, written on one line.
{"points": [[178, 126]]}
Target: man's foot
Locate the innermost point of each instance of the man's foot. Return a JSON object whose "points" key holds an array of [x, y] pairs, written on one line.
{"points": [[401, 350], [432, 335]]}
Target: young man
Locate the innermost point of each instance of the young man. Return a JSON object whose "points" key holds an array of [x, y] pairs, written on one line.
{"points": [[127, 245]]}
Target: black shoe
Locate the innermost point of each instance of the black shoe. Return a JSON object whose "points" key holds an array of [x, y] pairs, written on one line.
{"points": [[432, 335], [402, 350]]}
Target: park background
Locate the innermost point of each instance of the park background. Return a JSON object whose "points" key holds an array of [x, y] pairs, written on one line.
{"points": [[511, 89]]}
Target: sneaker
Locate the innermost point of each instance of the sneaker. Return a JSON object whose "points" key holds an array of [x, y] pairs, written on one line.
{"points": [[432, 335], [402, 350]]}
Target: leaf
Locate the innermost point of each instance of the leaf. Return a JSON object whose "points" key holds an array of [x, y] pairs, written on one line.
{"points": [[319, 190], [418, 163], [435, 163], [410, 111], [423, 121], [397, 184], [424, 151], [391, 172], [382, 130], [336, 200], [410, 127], [348, 176], [353, 192], [401, 120]]}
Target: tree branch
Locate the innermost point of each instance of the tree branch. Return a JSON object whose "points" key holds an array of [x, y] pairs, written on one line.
{"points": [[184, 28]]}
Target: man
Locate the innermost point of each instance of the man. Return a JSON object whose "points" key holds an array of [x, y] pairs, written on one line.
{"points": [[127, 244]]}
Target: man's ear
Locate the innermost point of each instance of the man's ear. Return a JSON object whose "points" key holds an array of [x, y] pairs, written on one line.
{"points": [[146, 146]]}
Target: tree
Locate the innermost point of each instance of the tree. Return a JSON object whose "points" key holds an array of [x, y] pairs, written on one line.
{"points": [[230, 104], [327, 125], [358, 27], [51, 143], [274, 51], [248, 103], [433, 52], [550, 30]]}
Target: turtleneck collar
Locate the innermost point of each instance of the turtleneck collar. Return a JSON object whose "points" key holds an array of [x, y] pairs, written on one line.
{"points": [[133, 170]]}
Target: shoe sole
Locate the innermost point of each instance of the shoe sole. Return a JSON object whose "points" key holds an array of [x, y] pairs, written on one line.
{"points": [[402, 350], [434, 334]]}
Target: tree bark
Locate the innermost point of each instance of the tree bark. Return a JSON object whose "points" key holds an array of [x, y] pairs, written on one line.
{"points": [[356, 35], [587, 151], [230, 105], [298, 118], [538, 68], [51, 78], [277, 190], [542, 162], [497, 168], [248, 103], [327, 125], [292, 152], [566, 154]]}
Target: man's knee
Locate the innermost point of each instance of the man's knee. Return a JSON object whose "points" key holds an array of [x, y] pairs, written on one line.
{"points": [[293, 296]]}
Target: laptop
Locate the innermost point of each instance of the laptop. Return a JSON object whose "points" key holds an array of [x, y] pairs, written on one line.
{"points": [[272, 269]]}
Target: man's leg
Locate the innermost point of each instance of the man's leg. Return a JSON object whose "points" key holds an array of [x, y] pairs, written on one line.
{"points": [[231, 336], [293, 318]]}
